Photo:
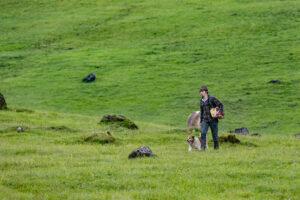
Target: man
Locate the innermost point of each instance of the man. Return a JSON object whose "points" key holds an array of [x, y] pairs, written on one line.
{"points": [[206, 103]]}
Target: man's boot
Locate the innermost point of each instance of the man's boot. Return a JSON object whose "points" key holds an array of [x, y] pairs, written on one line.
{"points": [[203, 145], [216, 145]]}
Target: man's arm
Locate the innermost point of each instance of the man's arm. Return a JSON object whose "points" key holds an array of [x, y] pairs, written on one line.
{"points": [[219, 105], [201, 113]]}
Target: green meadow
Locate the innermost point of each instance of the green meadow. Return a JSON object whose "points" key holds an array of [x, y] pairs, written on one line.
{"points": [[150, 59], [49, 161]]}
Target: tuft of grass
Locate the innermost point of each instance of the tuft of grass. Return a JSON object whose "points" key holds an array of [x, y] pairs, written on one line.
{"points": [[23, 110]]}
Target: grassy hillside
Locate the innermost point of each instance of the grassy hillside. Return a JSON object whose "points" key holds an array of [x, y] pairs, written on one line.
{"points": [[151, 57], [48, 161]]}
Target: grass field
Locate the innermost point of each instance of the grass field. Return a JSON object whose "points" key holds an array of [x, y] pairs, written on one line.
{"points": [[42, 163], [150, 59]]}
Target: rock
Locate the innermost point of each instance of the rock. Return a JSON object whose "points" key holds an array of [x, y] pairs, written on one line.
{"points": [[242, 130], [297, 135], [101, 138], [263, 127], [255, 134], [274, 81], [3, 105], [230, 138], [142, 151], [20, 129], [89, 78], [193, 120], [118, 119]]}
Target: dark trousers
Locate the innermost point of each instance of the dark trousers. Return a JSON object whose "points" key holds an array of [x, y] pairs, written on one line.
{"points": [[213, 127]]}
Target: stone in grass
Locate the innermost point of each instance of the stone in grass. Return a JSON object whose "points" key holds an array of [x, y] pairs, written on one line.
{"points": [[142, 151], [297, 135], [101, 138], [89, 78], [118, 119], [20, 129], [242, 130], [230, 138], [3, 105], [274, 81]]}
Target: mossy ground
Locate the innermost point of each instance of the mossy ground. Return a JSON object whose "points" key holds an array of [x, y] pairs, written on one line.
{"points": [[100, 138]]}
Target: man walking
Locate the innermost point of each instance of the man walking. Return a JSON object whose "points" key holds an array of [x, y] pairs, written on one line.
{"points": [[206, 104]]}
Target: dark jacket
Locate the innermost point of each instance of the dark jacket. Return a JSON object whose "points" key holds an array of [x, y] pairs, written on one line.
{"points": [[211, 102]]}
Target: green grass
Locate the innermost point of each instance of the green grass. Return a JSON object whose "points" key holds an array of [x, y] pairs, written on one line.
{"points": [[43, 163], [150, 59]]}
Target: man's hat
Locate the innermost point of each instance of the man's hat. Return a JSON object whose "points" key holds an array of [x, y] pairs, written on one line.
{"points": [[203, 88]]}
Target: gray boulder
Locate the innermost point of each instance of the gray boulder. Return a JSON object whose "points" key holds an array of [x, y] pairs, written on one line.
{"points": [[3, 105], [242, 130], [142, 151]]}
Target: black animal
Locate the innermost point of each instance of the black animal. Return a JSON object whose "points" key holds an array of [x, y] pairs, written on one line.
{"points": [[89, 78]]}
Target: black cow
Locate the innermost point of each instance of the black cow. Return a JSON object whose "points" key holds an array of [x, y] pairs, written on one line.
{"points": [[89, 78]]}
